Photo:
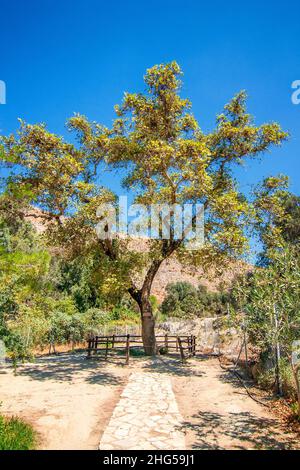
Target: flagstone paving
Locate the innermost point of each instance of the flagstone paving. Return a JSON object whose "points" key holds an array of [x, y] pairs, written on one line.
{"points": [[146, 417]]}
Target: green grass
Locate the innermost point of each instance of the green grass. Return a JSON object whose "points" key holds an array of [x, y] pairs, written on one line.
{"points": [[16, 435]]}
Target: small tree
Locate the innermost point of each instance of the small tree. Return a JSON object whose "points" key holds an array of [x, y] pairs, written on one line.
{"points": [[270, 299], [181, 300], [165, 157], [184, 300]]}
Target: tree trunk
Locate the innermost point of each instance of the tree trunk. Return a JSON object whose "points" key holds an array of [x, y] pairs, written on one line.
{"points": [[295, 370], [142, 297], [148, 327]]}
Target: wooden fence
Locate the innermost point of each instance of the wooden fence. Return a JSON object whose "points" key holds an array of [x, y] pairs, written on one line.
{"points": [[102, 346]]}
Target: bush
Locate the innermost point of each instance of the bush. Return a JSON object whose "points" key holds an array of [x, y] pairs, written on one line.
{"points": [[16, 435], [185, 301], [267, 302], [120, 313], [287, 379]]}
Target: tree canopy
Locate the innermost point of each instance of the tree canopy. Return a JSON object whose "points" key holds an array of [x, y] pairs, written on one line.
{"points": [[162, 154]]}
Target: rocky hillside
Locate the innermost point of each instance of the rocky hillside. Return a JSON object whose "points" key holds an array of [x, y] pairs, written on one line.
{"points": [[173, 271]]}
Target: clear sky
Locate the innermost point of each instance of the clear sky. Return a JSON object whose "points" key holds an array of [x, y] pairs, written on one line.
{"points": [[67, 56]]}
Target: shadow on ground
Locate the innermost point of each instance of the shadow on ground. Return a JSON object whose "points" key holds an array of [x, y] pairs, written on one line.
{"points": [[65, 367], [240, 430], [228, 377], [171, 366]]}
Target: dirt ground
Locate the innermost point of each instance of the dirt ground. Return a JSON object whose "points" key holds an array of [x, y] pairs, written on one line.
{"points": [[67, 398], [219, 414], [69, 401]]}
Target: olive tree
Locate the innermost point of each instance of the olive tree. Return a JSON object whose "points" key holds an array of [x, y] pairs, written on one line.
{"points": [[270, 300], [163, 157]]}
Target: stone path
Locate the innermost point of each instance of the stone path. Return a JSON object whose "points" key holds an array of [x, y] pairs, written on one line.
{"points": [[146, 417]]}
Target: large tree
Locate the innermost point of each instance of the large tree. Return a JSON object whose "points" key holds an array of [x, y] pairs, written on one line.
{"points": [[163, 156]]}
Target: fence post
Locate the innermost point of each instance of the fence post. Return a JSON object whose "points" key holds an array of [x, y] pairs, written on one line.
{"points": [[96, 345], [106, 349], [181, 349], [113, 341], [166, 342], [127, 349], [194, 345], [189, 345]]}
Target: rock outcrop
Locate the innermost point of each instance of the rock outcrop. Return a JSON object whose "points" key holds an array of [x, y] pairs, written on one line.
{"points": [[172, 271], [212, 337]]}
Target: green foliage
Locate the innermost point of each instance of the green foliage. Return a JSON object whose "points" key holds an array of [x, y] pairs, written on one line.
{"points": [[46, 300], [267, 303], [276, 214], [154, 304], [185, 301], [94, 319], [164, 157], [287, 378], [118, 315], [24, 265], [180, 301], [275, 287], [78, 278], [291, 224], [16, 435]]}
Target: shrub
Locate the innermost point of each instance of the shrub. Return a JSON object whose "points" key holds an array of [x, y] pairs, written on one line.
{"points": [[123, 313], [185, 301], [15, 434]]}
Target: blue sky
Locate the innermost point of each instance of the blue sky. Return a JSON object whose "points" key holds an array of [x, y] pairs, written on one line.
{"points": [[58, 58]]}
